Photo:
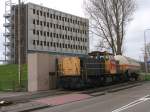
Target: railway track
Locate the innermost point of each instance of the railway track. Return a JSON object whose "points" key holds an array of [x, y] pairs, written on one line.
{"points": [[112, 88]]}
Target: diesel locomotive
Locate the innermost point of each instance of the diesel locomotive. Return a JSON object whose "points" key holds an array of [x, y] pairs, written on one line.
{"points": [[98, 68]]}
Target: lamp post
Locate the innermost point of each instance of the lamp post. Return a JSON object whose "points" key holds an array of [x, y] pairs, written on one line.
{"points": [[145, 56]]}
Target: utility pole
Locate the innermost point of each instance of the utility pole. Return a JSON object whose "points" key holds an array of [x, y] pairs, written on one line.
{"points": [[145, 56], [19, 43]]}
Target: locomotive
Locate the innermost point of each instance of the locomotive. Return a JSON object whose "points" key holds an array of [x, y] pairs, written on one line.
{"points": [[98, 68]]}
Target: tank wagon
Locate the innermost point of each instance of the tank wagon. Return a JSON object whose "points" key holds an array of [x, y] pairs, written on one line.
{"points": [[98, 68]]}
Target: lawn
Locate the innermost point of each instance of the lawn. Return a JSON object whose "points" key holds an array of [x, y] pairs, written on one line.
{"points": [[9, 76]]}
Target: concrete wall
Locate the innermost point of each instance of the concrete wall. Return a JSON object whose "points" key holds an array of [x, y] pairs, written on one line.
{"points": [[40, 65]]}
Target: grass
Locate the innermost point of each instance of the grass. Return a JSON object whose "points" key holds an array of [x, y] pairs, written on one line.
{"points": [[146, 76], [9, 76]]}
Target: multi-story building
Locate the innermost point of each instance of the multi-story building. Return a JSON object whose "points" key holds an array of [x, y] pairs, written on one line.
{"points": [[47, 30]]}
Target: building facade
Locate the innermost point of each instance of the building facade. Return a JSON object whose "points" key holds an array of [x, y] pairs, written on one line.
{"points": [[47, 30]]}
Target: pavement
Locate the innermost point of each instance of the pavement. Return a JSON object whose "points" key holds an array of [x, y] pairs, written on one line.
{"points": [[136, 99]]}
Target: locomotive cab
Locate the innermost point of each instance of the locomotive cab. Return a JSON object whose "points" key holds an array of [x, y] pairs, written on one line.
{"points": [[107, 59]]}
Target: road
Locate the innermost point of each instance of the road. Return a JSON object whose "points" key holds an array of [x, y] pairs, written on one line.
{"points": [[135, 99]]}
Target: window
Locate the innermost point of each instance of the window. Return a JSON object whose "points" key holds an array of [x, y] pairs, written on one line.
{"points": [[62, 18], [54, 44], [51, 25], [41, 23], [48, 24], [44, 14], [51, 34], [54, 34], [65, 18], [59, 26], [57, 44], [63, 27], [65, 45], [66, 28], [37, 22], [48, 34], [47, 14], [40, 13], [44, 33], [51, 15], [37, 32], [41, 43], [70, 20], [44, 43], [65, 36], [59, 17], [33, 11], [37, 42], [51, 43], [33, 21], [54, 25], [41, 33], [57, 36], [54, 16], [37, 12], [47, 43], [44, 23], [60, 36], [33, 42], [34, 31]]}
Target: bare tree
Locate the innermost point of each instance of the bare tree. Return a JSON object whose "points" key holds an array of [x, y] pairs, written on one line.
{"points": [[108, 21]]}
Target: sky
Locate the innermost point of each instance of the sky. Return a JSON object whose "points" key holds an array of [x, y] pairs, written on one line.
{"points": [[134, 40]]}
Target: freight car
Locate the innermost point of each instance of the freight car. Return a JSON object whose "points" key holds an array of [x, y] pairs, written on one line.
{"points": [[99, 68]]}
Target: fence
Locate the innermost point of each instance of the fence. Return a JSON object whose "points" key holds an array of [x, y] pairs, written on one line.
{"points": [[11, 85]]}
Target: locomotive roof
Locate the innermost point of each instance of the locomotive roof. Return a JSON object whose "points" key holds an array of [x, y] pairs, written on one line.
{"points": [[95, 53]]}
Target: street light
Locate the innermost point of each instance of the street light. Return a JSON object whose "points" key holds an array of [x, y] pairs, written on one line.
{"points": [[145, 57]]}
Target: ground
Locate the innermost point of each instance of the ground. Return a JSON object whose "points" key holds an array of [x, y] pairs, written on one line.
{"points": [[131, 100]]}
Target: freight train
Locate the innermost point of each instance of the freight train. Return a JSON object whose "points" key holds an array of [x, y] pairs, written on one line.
{"points": [[98, 68]]}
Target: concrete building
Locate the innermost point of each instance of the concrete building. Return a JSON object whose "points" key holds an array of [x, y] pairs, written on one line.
{"points": [[48, 30]]}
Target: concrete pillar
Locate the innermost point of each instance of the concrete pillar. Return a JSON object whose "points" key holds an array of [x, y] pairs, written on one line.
{"points": [[38, 71]]}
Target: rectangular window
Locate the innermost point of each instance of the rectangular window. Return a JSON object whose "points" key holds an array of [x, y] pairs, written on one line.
{"points": [[37, 12], [48, 34], [44, 23], [59, 17], [33, 42], [37, 32], [33, 11], [48, 44], [47, 14], [37, 22], [41, 23], [34, 31], [44, 33], [51, 15], [54, 34], [48, 24], [51, 25], [37, 42], [40, 13], [41, 33], [51, 34], [41, 43], [44, 14], [34, 21]]}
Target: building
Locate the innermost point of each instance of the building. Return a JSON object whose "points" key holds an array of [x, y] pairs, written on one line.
{"points": [[47, 30]]}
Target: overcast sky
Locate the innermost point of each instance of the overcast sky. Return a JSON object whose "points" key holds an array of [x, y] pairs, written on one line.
{"points": [[134, 41]]}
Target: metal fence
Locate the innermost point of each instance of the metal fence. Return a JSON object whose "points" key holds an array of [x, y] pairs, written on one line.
{"points": [[11, 85]]}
